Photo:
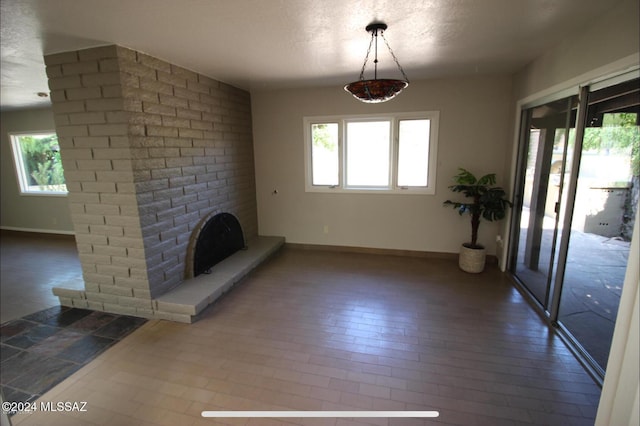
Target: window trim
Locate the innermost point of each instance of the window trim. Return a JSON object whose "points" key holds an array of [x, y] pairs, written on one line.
{"points": [[19, 168], [393, 188]]}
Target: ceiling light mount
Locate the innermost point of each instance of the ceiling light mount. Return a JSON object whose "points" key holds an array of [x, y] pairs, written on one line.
{"points": [[377, 90], [376, 26]]}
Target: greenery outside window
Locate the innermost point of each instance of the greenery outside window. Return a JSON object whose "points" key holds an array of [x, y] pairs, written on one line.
{"points": [[38, 163], [391, 153]]}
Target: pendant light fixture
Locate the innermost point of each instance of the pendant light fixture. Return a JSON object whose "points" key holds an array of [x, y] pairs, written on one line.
{"points": [[377, 90]]}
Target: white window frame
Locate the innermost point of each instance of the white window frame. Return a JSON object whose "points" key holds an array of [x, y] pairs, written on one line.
{"points": [[393, 188], [21, 176]]}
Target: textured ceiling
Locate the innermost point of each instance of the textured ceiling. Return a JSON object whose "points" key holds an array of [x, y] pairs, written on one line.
{"points": [[265, 44]]}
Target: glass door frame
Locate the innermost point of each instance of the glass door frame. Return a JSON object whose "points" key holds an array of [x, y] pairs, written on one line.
{"points": [[551, 302], [572, 188], [550, 306]]}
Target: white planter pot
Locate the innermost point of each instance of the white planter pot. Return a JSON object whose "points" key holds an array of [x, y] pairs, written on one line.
{"points": [[472, 260]]}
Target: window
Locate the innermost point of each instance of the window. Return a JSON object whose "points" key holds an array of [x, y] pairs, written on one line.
{"points": [[38, 164], [393, 153], [324, 148]]}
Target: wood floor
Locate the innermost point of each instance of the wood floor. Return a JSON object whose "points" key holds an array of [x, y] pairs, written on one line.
{"points": [[31, 265], [317, 330]]}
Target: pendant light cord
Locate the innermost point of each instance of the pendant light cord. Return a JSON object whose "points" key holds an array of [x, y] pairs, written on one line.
{"points": [[374, 35], [366, 58], [375, 61], [394, 57]]}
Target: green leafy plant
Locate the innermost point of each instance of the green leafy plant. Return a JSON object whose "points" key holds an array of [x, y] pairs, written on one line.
{"points": [[619, 132], [486, 201], [41, 157], [323, 136]]}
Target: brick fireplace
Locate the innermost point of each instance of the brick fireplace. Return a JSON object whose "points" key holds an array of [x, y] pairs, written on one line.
{"points": [[149, 150]]}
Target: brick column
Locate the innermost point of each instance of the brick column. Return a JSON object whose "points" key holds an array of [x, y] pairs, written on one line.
{"points": [[149, 150]]}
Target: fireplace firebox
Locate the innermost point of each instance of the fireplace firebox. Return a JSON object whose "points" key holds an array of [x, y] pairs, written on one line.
{"points": [[219, 238]]}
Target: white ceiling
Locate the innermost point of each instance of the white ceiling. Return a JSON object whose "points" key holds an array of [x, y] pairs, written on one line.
{"points": [[264, 44]]}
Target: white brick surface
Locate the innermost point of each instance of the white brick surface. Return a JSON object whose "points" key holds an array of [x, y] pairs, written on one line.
{"points": [[114, 176], [114, 91], [115, 104], [68, 293], [117, 198], [162, 315], [99, 187], [176, 308], [95, 165], [54, 71], [111, 153], [109, 231], [97, 280], [116, 290], [145, 313], [101, 297], [80, 303], [101, 209], [155, 149], [76, 154], [136, 284], [66, 301], [95, 259], [76, 130], [83, 93], [96, 306], [88, 219], [119, 309], [129, 262], [135, 302], [90, 142], [91, 239], [102, 79], [61, 58], [115, 271], [65, 82], [108, 129], [142, 293]]}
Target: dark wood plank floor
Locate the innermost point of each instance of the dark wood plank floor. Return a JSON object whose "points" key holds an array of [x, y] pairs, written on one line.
{"points": [[315, 330]]}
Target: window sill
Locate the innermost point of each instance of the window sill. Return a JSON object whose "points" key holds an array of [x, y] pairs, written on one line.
{"points": [[44, 194], [371, 191]]}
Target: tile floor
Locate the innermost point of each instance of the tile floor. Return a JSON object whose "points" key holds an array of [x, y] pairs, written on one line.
{"points": [[312, 330], [40, 350]]}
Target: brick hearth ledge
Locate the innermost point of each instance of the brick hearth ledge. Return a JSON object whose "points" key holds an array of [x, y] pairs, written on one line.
{"points": [[191, 297]]}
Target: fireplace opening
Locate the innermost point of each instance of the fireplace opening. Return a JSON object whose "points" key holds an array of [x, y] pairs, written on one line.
{"points": [[218, 239]]}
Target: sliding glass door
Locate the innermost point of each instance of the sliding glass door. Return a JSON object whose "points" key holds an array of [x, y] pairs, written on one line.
{"points": [[604, 208], [548, 132], [576, 202]]}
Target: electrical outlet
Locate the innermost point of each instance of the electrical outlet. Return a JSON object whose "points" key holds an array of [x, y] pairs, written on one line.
{"points": [[325, 230]]}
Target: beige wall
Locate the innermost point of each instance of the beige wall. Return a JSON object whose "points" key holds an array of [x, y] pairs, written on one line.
{"points": [[609, 39], [474, 131], [28, 212]]}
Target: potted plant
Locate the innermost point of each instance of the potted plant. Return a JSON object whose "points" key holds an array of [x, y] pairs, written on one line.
{"points": [[485, 201]]}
